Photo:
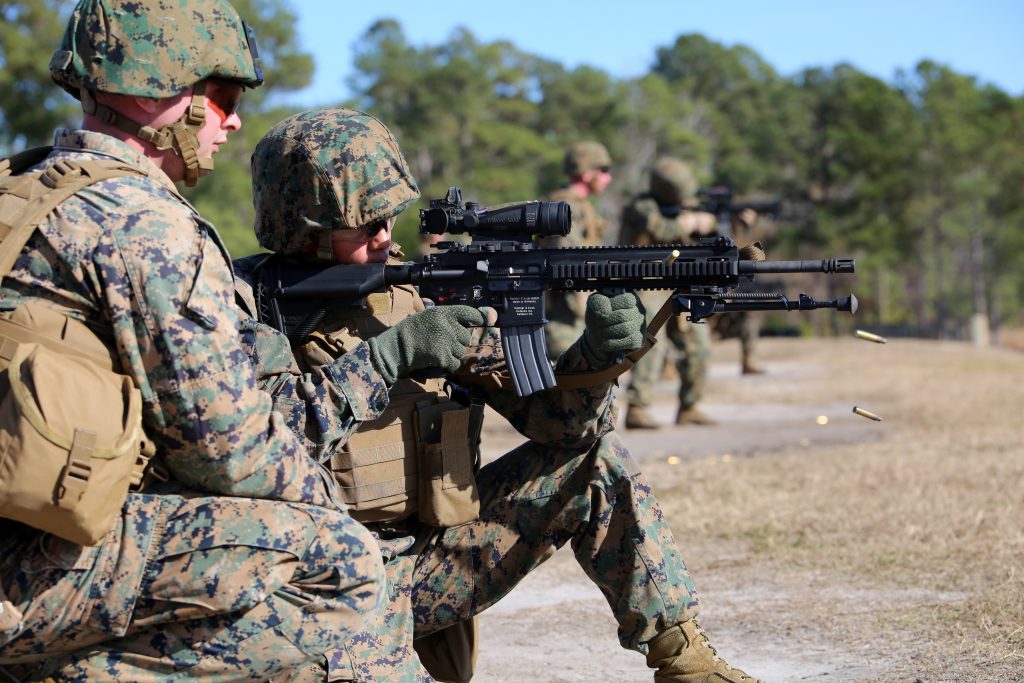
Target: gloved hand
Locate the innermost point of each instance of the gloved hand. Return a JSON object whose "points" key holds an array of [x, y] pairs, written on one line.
{"points": [[614, 326], [434, 338]]}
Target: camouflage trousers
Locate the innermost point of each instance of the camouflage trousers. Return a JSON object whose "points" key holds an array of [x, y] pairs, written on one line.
{"points": [[188, 587], [740, 325], [534, 500], [693, 344]]}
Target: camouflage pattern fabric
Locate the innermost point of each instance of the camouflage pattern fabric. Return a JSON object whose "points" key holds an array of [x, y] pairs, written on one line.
{"points": [[534, 500], [337, 395], [692, 343], [573, 482], [643, 223], [235, 588], [132, 258], [672, 181], [151, 48], [565, 310], [585, 155], [385, 651], [349, 193]]}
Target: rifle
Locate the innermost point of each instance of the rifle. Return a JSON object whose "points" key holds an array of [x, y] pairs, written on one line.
{"points": [[502, 267], [718, 201]]}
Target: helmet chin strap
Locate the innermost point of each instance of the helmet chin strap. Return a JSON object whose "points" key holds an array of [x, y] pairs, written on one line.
{"points": [[181, 136]]}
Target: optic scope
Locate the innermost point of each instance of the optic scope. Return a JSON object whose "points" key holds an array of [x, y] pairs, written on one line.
{"points": [[450, 215]]}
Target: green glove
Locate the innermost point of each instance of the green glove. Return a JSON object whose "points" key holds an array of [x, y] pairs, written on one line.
{"points": [[615, 326], [434, 338]]}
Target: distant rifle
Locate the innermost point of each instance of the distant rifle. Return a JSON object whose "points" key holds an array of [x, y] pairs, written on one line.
{"points": [[503, 268], [718, 201]]}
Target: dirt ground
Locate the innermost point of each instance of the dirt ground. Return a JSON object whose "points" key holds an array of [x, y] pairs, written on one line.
{"points": [[827, 547]]}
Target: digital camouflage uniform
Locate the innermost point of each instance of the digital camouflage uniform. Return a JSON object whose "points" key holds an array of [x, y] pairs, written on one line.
{"points": [[572, 482], [691, 341], [643, 223], [565, 309], [242, 564]]}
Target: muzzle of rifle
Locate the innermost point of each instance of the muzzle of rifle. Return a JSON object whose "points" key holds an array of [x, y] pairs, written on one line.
{"points": [[828, 265]]}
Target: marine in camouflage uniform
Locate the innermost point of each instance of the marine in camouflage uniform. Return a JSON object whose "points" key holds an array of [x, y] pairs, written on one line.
{"points": [[324, 176], [588, 166], [661, 216], [743, 325], [244, 563]]}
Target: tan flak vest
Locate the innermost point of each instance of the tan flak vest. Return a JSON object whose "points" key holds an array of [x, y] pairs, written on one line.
{"points": [[421, 455], [418, 458], [71, 438]]}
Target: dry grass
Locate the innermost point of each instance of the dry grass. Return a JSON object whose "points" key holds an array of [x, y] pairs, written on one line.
{"points": [[926, 525]]}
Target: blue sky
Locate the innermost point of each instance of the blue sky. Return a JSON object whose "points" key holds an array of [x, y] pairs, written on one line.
{"points": [[984, 38]]}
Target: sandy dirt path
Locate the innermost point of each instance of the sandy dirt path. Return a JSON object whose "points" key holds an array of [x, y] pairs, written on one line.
{"points": [[557, 627]]}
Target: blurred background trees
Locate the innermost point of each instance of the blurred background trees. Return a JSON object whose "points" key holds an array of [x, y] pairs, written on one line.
{"points": [[920, 178]]}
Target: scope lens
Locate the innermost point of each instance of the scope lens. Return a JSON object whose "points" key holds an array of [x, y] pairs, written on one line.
{"points": [[433, 221]]}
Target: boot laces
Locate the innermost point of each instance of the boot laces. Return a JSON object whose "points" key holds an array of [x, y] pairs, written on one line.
{"points": [[714, 653]]}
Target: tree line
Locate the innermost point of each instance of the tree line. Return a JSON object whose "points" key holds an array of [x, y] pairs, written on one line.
{"points": [[919, 178]]}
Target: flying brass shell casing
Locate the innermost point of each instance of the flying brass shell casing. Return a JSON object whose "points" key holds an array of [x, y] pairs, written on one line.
{"points": [[865, 413], [861, 334]]}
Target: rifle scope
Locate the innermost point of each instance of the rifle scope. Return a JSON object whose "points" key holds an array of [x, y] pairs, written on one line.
{"points": [[522, 219]]}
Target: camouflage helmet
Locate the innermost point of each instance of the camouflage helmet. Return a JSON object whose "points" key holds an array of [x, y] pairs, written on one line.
{"points": [[672, 181], [156, 49], [325, 170], [153, 48], [585, 156]]}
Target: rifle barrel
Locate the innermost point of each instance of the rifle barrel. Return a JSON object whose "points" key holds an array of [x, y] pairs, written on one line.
{"points": [[829, 265]]}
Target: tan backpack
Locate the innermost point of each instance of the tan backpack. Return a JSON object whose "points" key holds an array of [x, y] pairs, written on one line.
{"points": [[71, 437]]}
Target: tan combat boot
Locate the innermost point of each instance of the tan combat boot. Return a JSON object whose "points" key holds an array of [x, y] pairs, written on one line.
{"points": [[692, 416], [638, 418], [682, 654]]}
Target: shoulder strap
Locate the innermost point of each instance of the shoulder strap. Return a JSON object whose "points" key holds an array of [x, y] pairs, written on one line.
{"points": [[251, 296], [44, 192], [24, 160]]}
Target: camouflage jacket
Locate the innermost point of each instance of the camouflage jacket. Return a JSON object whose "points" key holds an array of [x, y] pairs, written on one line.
{"points": [[575, 419], [588, 228], [323, 407], [643, 223], [134, 260]]}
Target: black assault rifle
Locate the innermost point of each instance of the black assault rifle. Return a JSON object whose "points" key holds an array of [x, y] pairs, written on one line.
{"points": [[718, 200], [501, 267]]}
